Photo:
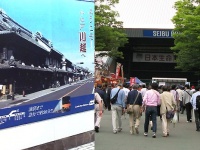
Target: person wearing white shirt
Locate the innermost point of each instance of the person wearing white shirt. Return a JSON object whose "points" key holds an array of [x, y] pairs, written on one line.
{"points": [[126, 91], [143, 90], [180, 96], [186, 102], [196, 110]]}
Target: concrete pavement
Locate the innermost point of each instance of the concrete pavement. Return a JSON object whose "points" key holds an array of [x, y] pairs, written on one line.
{"points": [[182, 137], [89, 146]]}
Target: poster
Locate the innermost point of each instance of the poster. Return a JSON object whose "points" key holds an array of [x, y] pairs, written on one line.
{"points": [[46, 59]]}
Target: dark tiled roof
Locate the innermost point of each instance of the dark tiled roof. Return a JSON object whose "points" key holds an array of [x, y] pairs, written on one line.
{"points": [[20, 66], [57, 70]]}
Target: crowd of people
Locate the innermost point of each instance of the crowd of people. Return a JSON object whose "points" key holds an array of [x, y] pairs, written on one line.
{"points": [[153, 101]]}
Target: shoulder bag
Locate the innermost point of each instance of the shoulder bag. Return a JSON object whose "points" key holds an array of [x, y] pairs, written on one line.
{"points": [[114, 99], [130, 107], [169, 113]]}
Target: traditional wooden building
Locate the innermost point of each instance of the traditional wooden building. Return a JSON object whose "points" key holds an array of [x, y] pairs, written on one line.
{"points": [[29, 62]]}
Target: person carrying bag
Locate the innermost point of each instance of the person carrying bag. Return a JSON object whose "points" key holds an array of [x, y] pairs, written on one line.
{"points": [[130, 106], [167, 109], [134, 103]]}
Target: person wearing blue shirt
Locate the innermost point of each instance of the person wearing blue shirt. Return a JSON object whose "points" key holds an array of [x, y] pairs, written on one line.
{"points": [[196, 110], [118, 108]]}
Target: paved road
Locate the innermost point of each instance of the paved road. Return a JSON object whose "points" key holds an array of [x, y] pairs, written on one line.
{"points": [[182, 137], [83, 87]]}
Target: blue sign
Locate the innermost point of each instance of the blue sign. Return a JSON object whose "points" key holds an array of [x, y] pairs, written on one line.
{"points": [[15, 116], [158, 33]]}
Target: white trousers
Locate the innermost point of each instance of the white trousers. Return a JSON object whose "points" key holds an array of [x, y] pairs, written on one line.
{"points": [[116, 117], [165, 124], [97, 116]]}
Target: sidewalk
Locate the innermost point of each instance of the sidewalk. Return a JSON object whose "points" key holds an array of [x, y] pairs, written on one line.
{"points": [[182, 137], [18, 98]]}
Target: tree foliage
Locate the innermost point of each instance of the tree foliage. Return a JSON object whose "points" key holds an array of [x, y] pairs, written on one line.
{"points": [[187, 35], [109, 33]]}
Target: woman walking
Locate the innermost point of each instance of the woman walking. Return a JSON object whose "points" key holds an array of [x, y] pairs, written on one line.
{"points": [[150, 102], [167, 104]]}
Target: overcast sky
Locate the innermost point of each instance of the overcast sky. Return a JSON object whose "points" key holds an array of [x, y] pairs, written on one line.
{"points": [[59, 22], [146, 13]]}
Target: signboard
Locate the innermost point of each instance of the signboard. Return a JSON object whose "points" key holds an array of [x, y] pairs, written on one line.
{"points": [[132, 81], [15, 116], [154, 57], [68, 29], [118, 68], [161, 83], [158, 33]]}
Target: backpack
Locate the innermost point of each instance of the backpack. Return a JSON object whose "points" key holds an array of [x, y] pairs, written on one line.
{"points": [[198, 101]]}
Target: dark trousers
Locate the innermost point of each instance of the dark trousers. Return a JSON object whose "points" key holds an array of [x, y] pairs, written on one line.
{"points": [[108, 104], [197, 118], [182, 108], [151, 111], [188, 108]]}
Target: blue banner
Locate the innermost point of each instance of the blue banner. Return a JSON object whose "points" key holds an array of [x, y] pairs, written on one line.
{"points": [[158, 33], [15, 116]]}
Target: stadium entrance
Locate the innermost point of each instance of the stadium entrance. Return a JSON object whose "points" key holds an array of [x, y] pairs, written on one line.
{"points": [[148, 55]]}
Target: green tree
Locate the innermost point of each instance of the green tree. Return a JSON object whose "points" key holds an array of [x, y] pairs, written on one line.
{"points": [[187, 35], [109, 33]]}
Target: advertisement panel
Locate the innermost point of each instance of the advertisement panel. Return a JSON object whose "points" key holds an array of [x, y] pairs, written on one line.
{"points": [[19, 115], [46, 59]]}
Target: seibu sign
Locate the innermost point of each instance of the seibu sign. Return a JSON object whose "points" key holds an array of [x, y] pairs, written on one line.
{"points": [[159, 33]]}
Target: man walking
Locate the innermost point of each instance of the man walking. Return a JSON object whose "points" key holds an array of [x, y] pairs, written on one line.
{"points": [[195, 104], [150, 101], [186, 102], [118, 108], [134, 98], [108, 91], [102, 94], [175, 94], [180, 95], [143, 90]]}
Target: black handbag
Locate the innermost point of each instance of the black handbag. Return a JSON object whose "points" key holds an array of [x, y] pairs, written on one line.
{"points": [[114, 99]]}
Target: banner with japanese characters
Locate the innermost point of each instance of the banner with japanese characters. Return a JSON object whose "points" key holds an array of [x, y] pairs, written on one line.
{"points": [[20, 115], [132, 81], [154, 57], [118, 68]]}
